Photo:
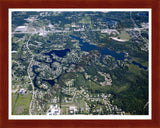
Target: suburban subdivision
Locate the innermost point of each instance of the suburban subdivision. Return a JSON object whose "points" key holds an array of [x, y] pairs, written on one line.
{"points": [[79, 63]]}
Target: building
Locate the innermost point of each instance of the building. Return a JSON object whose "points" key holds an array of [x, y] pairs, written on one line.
{"points": [[21, 28], [72, 109], [54, 110], [22, 91], [43, 34]]}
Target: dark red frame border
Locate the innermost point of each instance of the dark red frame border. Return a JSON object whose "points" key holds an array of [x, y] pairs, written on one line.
{"points": [[6, 4]]}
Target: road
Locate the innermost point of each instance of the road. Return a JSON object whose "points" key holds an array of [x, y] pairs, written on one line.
{"points": [[28, 71]]}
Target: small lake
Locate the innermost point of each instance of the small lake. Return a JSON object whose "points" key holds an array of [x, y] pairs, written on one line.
{"points": [[48, 41], [51, 82], [59, 53], [141, 66]]}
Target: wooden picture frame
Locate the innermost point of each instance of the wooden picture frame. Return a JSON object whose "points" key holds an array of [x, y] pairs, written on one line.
{"points": [[4, 8]]}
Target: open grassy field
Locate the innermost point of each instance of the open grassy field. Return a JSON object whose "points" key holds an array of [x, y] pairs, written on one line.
{"points": [[124, 35], [20, 104]]}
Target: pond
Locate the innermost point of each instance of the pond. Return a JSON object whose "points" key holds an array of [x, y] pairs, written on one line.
{"points": [[59, 53], [48, 41]]}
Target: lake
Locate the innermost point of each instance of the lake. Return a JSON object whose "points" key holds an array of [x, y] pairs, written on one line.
{"points": [[59, 53], [86, 46]]}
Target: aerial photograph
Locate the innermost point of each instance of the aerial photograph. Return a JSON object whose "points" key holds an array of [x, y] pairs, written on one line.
{"points": [[79, 62]]}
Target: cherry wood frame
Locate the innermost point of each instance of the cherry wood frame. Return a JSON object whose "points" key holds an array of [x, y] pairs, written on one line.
{"points": [[6, 4]]}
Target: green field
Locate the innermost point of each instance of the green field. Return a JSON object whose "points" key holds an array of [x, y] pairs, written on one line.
{"points": [[124, 35], [20, 104]]}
